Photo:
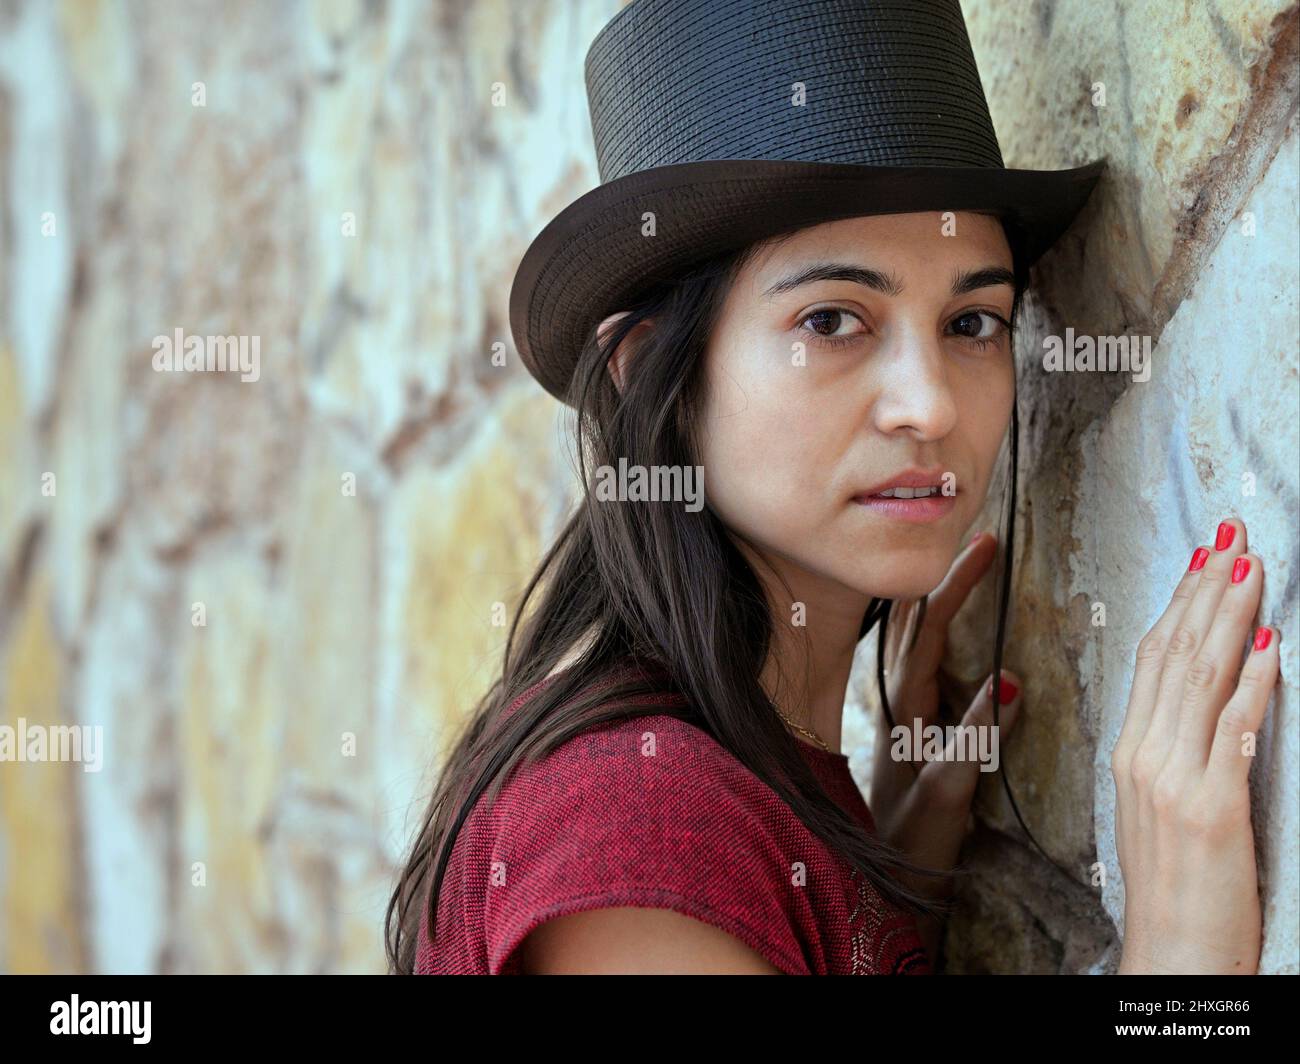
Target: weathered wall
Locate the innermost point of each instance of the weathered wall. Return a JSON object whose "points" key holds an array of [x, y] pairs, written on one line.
{"points": [[344, 525], [327, 610], [1191, 240]]}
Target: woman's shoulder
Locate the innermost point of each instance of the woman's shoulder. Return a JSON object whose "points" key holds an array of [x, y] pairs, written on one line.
{"points": [[654, 771], [651, 767], [648, 811]]}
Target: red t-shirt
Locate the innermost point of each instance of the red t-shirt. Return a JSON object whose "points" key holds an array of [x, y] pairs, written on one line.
{"points": [[653, 812]]}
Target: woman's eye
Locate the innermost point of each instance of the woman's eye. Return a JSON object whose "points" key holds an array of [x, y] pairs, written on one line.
{"points": [[828, 323], [980, 326]]}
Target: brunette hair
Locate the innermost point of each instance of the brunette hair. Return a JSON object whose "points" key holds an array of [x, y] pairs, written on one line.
{"points": [[656, 586]]}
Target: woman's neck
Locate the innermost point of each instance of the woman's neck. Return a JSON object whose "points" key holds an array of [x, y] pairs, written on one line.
{"points": [[815, 631]]}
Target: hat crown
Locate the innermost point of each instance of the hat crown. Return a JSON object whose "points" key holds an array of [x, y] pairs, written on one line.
{"points": [[872, 82]]}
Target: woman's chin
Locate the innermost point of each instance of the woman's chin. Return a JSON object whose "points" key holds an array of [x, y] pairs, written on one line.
{"points": [[891, 584]]}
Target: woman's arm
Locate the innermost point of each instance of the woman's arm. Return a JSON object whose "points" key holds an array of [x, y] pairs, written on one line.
{"points": [[634, 941]]}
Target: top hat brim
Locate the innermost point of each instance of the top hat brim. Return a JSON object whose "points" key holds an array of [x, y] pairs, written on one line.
{"points": [[592, 258]]}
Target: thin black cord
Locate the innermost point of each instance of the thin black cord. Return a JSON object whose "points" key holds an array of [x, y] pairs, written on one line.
{"points": [[1002, 618]]}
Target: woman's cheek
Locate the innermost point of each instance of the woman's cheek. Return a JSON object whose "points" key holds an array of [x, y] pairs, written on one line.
{"points": [[760, 489], [765, 472]]}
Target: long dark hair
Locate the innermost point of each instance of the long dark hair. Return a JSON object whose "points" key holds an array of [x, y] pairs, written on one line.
{"points": [[649, 585]]}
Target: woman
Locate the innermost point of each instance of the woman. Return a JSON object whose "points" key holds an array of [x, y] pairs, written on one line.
{"points": [[654, 784]]}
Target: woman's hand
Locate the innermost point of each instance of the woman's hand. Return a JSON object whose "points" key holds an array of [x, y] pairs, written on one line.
{"points": [[923, 807], [1181, 763]]}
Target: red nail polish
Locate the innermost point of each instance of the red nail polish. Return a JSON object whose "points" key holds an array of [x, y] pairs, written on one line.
{"points": [[1239, 569], [1199, 556], [1224, 538], [1008, 693], [1262, 637], [975, 538]]}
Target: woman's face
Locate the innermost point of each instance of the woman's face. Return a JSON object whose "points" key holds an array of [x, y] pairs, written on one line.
{"points": [[844, 356]]}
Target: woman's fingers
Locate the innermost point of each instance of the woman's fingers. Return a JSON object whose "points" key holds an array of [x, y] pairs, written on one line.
{"points": [[945, 600], [965, 572], [1233, 749], [1186, 639], [974, 746], [1212, 675], [1150, 660], [919, 647]]}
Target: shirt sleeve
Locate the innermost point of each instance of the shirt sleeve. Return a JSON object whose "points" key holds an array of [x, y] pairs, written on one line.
{"points": [[638, 813]]}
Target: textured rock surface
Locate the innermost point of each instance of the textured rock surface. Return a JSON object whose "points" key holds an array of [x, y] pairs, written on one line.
{"points": [[344, 525], [1192, 241]]}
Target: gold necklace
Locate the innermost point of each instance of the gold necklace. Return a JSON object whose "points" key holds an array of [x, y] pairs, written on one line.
{"points": [[804, 731]]}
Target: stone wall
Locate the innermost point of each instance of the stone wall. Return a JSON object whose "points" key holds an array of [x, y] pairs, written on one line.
{"points": [[275, 596], [1191, 240]]}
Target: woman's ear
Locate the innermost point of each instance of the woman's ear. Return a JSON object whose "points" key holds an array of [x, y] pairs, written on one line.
{"points": [[617, 364]]}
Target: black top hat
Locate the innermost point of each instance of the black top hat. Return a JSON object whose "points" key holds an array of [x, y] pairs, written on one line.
{"points": [[735, 120]]}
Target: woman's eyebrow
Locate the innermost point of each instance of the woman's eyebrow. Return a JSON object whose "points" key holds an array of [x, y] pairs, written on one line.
{"points": [[837, 271], [964, 281], [985, 277]]}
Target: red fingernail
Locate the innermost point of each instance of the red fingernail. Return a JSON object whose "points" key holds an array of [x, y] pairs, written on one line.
{"points": [[1007, 694], [1239, 569], [1199, 557], [1224, 539], [975, 538], [1262, 637]]}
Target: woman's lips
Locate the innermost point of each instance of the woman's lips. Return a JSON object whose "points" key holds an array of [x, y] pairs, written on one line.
{"points": [[918, 511]]}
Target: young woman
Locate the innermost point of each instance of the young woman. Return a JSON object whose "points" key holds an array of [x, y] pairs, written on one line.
{"points": [[655, 782]]}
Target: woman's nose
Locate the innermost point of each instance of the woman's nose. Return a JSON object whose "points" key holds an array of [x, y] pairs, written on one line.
{"points": [[914, 392]]}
